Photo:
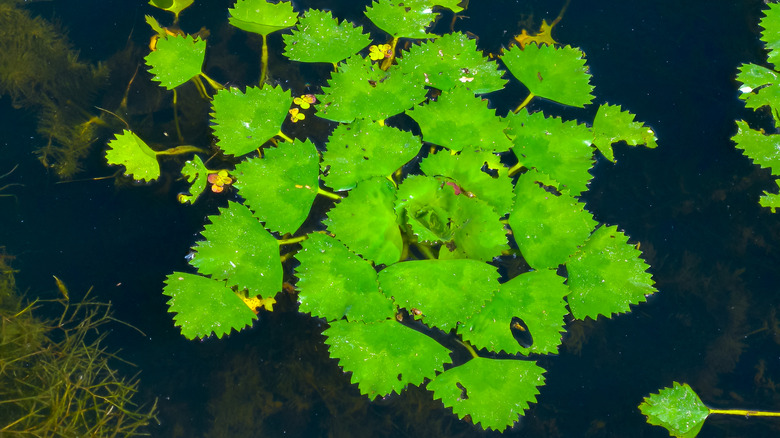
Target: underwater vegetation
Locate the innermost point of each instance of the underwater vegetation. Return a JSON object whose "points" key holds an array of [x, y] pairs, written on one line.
{"points": [[40, 71], [56, 377]]}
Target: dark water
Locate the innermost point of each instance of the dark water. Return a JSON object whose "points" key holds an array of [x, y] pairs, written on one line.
{"points": [[692, 203]]}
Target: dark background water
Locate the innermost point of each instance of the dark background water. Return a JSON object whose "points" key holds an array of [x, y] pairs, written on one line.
{"points": [[692, 203]]}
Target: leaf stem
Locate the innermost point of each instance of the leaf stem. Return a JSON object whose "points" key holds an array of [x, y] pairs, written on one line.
{"points": [[178, 150], [286, 138], [264, 61], [426, 250], [525, 102], [389, 61], [746, 413], [214, 84], [516, 168], [468, 347], [328, 194], [292, 240]]}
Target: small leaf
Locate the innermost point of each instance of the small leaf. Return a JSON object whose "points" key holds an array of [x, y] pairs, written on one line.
{"points": [[458, 120], [478, 233], [493, 392], [607, 276], [761, 148], [384, 357], [547, 228], [770, 200], [335, 283], [204, 306], [364, 149], [128, 150], [176, 60], [612, 125], [175, 6], [445, 292], [239, 250], [403, 19], [262, 17], [366, 223], [677, 409], [760, 87], [319, 37], [280, 188], [452, 60], [197, 175], [556, 148], [771, 34], [537, 299], [361, 90], [555, 73], [243, 122], [425, 205]]}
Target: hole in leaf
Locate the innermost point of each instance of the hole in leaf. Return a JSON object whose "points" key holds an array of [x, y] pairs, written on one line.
{"points": [[400, 377], [463, 394], [521, 333]]}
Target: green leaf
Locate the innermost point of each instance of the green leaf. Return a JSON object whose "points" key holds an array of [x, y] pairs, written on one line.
{"points": [[403, 19], [537, 299], [423, 203], [384, 356], [319, 37], [335, 283], [612, 125], [493, 392], [771, 200], [678, 409], [607, 276], [175, 6], [140, 161], [559, 149], [761, 148], [465, 170], [452, 60], [204, 306], [771, 34], [477, 231], [197, 175], [176, 60], [548, 228], [239, 250], [360, 90], [243, 122], [364, 149], [760, 87], [262, 17], [280, 188], [554, 73], [459, 120], [445, 292], [366, 223]]}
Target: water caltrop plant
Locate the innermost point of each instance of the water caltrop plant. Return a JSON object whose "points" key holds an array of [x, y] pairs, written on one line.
{"points": [[435, 197]]}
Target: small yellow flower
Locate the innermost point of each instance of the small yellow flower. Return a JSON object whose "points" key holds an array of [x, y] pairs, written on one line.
{"points": [[379, 52], [296, 115], [305, 101], [219, 180]]}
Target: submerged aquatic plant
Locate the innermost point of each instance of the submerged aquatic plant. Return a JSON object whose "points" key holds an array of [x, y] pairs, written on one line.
{"points": [[56, 377], [422, 223]]}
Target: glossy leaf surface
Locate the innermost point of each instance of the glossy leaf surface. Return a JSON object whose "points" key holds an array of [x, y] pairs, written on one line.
{"points": [[140, 161], [677, 409], [384, 357], [612, 125], [243, 122], [403, 19], [262, 17], [176, 60], [319, 37]]}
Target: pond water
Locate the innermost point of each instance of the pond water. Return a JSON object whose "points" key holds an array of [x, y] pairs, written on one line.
{"points": [[692, 204]]}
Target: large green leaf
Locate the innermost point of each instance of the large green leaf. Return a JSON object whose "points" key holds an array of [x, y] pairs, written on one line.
{"points": [[559, 149], [245, 121], [140, 161], [555, 73], [459, 120], [384, 357], [261, 16], [319, 37], [362, 90], [364, 149], [452, 60], [403, 18], [678, 409], [536, 298], [465, 171], [771, 34], [204, 306], [239, 250], [280, 188], [442, 293], [548, 228], [612, 125], [366, 222], [607, 276], [493, 392], [176, 60], [335, 283], [761, 148]]}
